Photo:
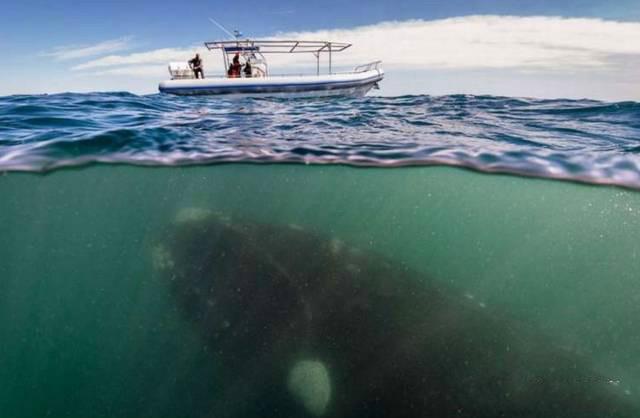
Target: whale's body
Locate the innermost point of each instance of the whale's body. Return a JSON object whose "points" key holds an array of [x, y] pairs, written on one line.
{"points": [[280, 307]]}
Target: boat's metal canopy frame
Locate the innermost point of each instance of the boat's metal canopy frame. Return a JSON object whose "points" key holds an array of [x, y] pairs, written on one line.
{"points": [[260, 47]]}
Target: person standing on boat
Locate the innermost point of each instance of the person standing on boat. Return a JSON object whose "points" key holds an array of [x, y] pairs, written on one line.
{"points": [[234, 68], [247, 69], [196, 66]]}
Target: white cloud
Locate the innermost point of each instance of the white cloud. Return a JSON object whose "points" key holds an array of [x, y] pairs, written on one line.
{"points": [[488, 42], [471, 42], [157, 71], [157, 56], [64, 53]]}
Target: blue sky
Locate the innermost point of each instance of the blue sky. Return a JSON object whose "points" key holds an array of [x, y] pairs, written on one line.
{"points": [[34, 33]]}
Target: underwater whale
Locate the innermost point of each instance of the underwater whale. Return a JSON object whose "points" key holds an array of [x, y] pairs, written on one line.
{"points": [[302, 325]]}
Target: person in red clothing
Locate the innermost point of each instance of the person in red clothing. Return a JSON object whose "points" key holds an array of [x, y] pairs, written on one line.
{"points": [[234, 68]]}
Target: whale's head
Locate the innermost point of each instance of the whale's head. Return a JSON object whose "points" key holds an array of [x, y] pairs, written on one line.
{"points": [[238, 288], [228, 281]]}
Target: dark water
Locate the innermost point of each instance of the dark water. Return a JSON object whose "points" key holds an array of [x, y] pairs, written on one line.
{"points": [[87, 328]]}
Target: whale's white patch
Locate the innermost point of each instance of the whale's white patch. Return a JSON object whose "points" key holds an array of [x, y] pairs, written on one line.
{"points": [[161, 258], [309, 383], [336, 245], [191, 215], [353, 269]]}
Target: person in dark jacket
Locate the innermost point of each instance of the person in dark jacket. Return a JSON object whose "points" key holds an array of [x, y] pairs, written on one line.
{"points": [[247, 69], [196, 65]]}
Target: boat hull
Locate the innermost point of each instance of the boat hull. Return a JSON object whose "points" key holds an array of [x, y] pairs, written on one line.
{"points": [[352, 84]]}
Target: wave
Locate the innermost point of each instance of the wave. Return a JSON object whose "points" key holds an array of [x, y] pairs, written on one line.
{"points": [[580, 140]]}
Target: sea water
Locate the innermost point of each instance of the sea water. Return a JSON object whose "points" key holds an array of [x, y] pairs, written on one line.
{"points": [[89, 181]]}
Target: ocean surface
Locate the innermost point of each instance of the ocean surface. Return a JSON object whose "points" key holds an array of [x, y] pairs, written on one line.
{"points": [[580, 140], [528, 208]]}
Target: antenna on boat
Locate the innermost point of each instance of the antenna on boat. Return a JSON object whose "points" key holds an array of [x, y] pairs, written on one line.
{"points": [[222, 28]]}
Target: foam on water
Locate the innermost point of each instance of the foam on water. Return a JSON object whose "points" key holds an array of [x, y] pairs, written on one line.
{"points": [[581, 140]]}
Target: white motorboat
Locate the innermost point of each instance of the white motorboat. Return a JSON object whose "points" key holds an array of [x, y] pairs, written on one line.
{"points": [[256, 80]]}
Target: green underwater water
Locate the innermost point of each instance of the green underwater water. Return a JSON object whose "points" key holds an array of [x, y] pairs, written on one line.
{"points": [[86, 329]]}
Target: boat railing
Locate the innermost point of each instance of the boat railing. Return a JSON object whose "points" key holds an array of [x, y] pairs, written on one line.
{"points": [[189, 75], [367, 67]]}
